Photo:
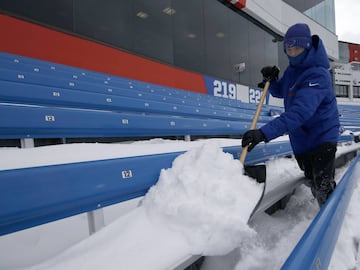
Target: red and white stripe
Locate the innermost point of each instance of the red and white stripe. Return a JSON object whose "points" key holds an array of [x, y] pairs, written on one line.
{"points": [[240, 4]]}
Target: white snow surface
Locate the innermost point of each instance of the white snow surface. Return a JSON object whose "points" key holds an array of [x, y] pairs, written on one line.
{"points": [[200, 205], [210, 207]]}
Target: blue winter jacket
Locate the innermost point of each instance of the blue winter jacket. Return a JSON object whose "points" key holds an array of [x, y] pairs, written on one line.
{"points": [[311, 115]]}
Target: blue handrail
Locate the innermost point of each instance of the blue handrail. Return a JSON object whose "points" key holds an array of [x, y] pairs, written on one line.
{"points": [[315, 248]]}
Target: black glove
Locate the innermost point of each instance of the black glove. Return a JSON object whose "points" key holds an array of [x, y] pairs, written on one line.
{"points": [[251, 138], [261, 84], [270, 73]]}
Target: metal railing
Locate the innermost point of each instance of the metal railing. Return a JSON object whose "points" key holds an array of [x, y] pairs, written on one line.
{"points": [[315, 248]]}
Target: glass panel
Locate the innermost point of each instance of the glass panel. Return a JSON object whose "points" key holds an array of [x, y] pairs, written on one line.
{"points": [[356, 91], [239, 47], [217, 40], [188, 26], [342, 90], [324, 14], [57, 13], [253, 46], [344, 54], [230, 40], [152, 36], [110, 23]]}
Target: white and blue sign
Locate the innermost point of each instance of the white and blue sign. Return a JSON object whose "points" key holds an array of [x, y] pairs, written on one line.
{"points": [[231, 90]]}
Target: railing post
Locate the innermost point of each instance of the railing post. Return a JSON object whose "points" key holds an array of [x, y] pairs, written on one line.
{"points": [[95, 220], [27, 143]]}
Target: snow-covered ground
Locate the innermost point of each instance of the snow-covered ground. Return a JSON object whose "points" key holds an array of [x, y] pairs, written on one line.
{"points": [[199, 205]]}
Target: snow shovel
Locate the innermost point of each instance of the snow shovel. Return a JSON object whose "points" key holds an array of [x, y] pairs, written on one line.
{"points": [[256, 171]]}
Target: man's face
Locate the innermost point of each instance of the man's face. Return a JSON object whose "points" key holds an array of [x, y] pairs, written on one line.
{"points": [[294, 51]]}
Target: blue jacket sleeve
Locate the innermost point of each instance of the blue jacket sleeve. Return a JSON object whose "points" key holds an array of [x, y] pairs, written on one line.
{"points": [[275, 89], [303, 106]]}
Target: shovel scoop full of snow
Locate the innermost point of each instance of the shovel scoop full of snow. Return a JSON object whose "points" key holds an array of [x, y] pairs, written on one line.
{"points": [[206, 197]]}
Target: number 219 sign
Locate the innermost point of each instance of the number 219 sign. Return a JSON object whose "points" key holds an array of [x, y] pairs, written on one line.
{"points": [[224, 89], [231, 90]]}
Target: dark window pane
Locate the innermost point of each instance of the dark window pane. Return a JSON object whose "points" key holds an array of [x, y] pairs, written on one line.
{"points": [[188, 26], [153, 34], [342, 90], [57, 13], [107, 21], [239, 46], [356, 91], [217, 40]]}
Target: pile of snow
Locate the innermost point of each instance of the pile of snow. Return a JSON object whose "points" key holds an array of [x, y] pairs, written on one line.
{"points": [[207, 197], [201, 205]]}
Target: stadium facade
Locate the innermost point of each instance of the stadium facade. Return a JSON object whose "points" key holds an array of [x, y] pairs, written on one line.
{"points": [[216, 47], [347, 73]]}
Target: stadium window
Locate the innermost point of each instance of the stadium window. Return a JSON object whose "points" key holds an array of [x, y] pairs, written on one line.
{"points": [[342, 90], [356, 91]]}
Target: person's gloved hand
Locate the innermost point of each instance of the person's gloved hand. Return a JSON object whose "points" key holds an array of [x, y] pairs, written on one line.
{"points": [[270, 73], [251, 138]]}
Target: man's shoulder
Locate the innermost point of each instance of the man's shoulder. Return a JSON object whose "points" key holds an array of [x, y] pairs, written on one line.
{"points": [[316, 76]]}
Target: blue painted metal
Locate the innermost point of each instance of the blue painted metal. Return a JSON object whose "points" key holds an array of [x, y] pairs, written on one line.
{"points": [[55, 122], [85, 79], [349, 116], [22, 69], [315, 248], [21, 63], [346, 138], [262, 152], [48, 96], [67, 104], [43, 194]]}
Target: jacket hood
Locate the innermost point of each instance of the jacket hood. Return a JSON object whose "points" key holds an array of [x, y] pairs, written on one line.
{"points": [[316, 56]]}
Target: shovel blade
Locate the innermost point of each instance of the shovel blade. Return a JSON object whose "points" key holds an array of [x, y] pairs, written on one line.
{"points": [[257, 172]]}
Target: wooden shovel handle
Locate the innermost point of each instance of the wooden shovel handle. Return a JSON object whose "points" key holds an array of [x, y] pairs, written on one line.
{"points": [[255, 119]]}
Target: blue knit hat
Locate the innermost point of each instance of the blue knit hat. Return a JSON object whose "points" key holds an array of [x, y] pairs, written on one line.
{"points": [[298, 35]]}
